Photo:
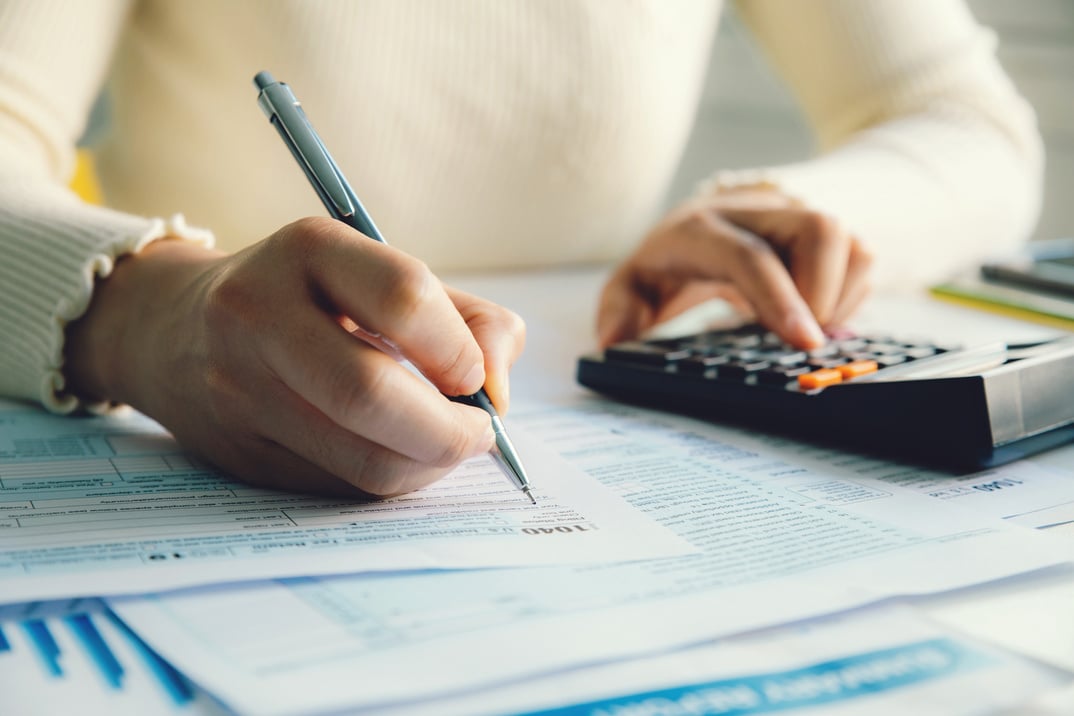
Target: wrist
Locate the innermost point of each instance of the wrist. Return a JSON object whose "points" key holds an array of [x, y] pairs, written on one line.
{"points": [[109, 351]]}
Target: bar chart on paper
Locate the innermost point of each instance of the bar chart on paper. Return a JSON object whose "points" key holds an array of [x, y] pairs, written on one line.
{"points": [[78, 657]]}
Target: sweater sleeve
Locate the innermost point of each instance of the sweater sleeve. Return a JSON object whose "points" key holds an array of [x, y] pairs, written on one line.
{"points": [[929, 154], [53, 58]]}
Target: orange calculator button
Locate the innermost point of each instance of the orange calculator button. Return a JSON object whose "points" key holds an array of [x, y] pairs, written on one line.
{"points": [[819, 379], [858, 367]]}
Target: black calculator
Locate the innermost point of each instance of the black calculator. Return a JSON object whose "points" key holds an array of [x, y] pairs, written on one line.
{"points": [[959, 407]]}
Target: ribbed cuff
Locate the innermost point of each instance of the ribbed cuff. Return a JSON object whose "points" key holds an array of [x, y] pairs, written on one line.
{"points": [[53, 249]]}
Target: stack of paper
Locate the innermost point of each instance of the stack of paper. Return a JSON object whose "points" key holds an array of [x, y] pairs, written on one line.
{"points": [[653, 535]]}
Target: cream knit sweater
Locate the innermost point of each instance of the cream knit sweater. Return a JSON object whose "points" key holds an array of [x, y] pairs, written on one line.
{"points": [[481, 134]]}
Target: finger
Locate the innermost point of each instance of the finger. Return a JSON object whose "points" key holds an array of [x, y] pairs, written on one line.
{"points": [[389, 293], [816, 246], [265, 464], [819, 257], [696, 292], [709, 248], [848, 306], [857, 286], [623, 312], [325, 451], [371, 395], [501, 333], [759, 274]]}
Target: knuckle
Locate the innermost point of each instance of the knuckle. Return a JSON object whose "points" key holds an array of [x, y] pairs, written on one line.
{"points": [[231, 301], [355, 391], [825, 230], [298, 243], [863, 257], [696, 221], [455, 366], [309, 230], [409, 288], [513, 325], [751, 255], [457, 447], [819, 223]]}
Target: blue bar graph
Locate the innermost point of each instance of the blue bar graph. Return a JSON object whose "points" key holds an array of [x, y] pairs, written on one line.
{"points": [[108, 658], [99, 652], [45, 644], [177, 687]]}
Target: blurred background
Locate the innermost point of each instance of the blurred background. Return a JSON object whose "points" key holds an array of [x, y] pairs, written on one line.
{"points": [[747, 118]]}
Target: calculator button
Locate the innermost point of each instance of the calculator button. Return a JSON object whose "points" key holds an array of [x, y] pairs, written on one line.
{"points": [[819, 379], [851, 345], [781, 375], [857, 368], [860, 355], [885, 348], [785, 358], [817, 363], [698, 364], [744, 355], [669, 343], [826, 351], [740, 370], [747, 341], [645, 353], [885, 361], [919, 352]]}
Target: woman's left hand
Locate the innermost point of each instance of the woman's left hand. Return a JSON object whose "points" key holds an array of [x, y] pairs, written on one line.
{"points": [[797, 271]]}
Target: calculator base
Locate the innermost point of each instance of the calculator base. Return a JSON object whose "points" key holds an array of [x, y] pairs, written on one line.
{"points": [[941, 422]]}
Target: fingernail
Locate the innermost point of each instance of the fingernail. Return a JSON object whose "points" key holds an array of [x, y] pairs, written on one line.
{"points": [[473, 380]]}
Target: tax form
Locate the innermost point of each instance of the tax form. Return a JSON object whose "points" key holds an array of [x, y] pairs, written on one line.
{"points": [[1021, 492], [108, 505], [778, 543]]}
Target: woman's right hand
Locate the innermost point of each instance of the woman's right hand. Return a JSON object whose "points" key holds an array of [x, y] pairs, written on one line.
{"points": [[263, 361]]}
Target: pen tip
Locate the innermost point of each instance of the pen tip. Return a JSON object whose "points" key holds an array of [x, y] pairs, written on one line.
{"points": [[529, 495]]}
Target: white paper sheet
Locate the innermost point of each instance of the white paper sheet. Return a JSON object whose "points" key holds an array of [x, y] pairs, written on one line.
{"points": [[94, 506], [1023, 492], [1035, 619], [779, 543], [886, 661]]}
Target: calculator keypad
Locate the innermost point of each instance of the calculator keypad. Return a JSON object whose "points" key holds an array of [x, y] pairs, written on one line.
{"points": [[753, 355]]}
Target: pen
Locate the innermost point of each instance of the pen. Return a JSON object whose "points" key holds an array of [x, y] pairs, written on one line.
{"points": [[285, 113]]}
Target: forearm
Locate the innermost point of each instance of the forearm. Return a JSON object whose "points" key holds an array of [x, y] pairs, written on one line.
{"points": [[929, 153], [927, 194]]}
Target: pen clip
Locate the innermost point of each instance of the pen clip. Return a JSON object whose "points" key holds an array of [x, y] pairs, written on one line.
{"points": [[285, 113]]}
